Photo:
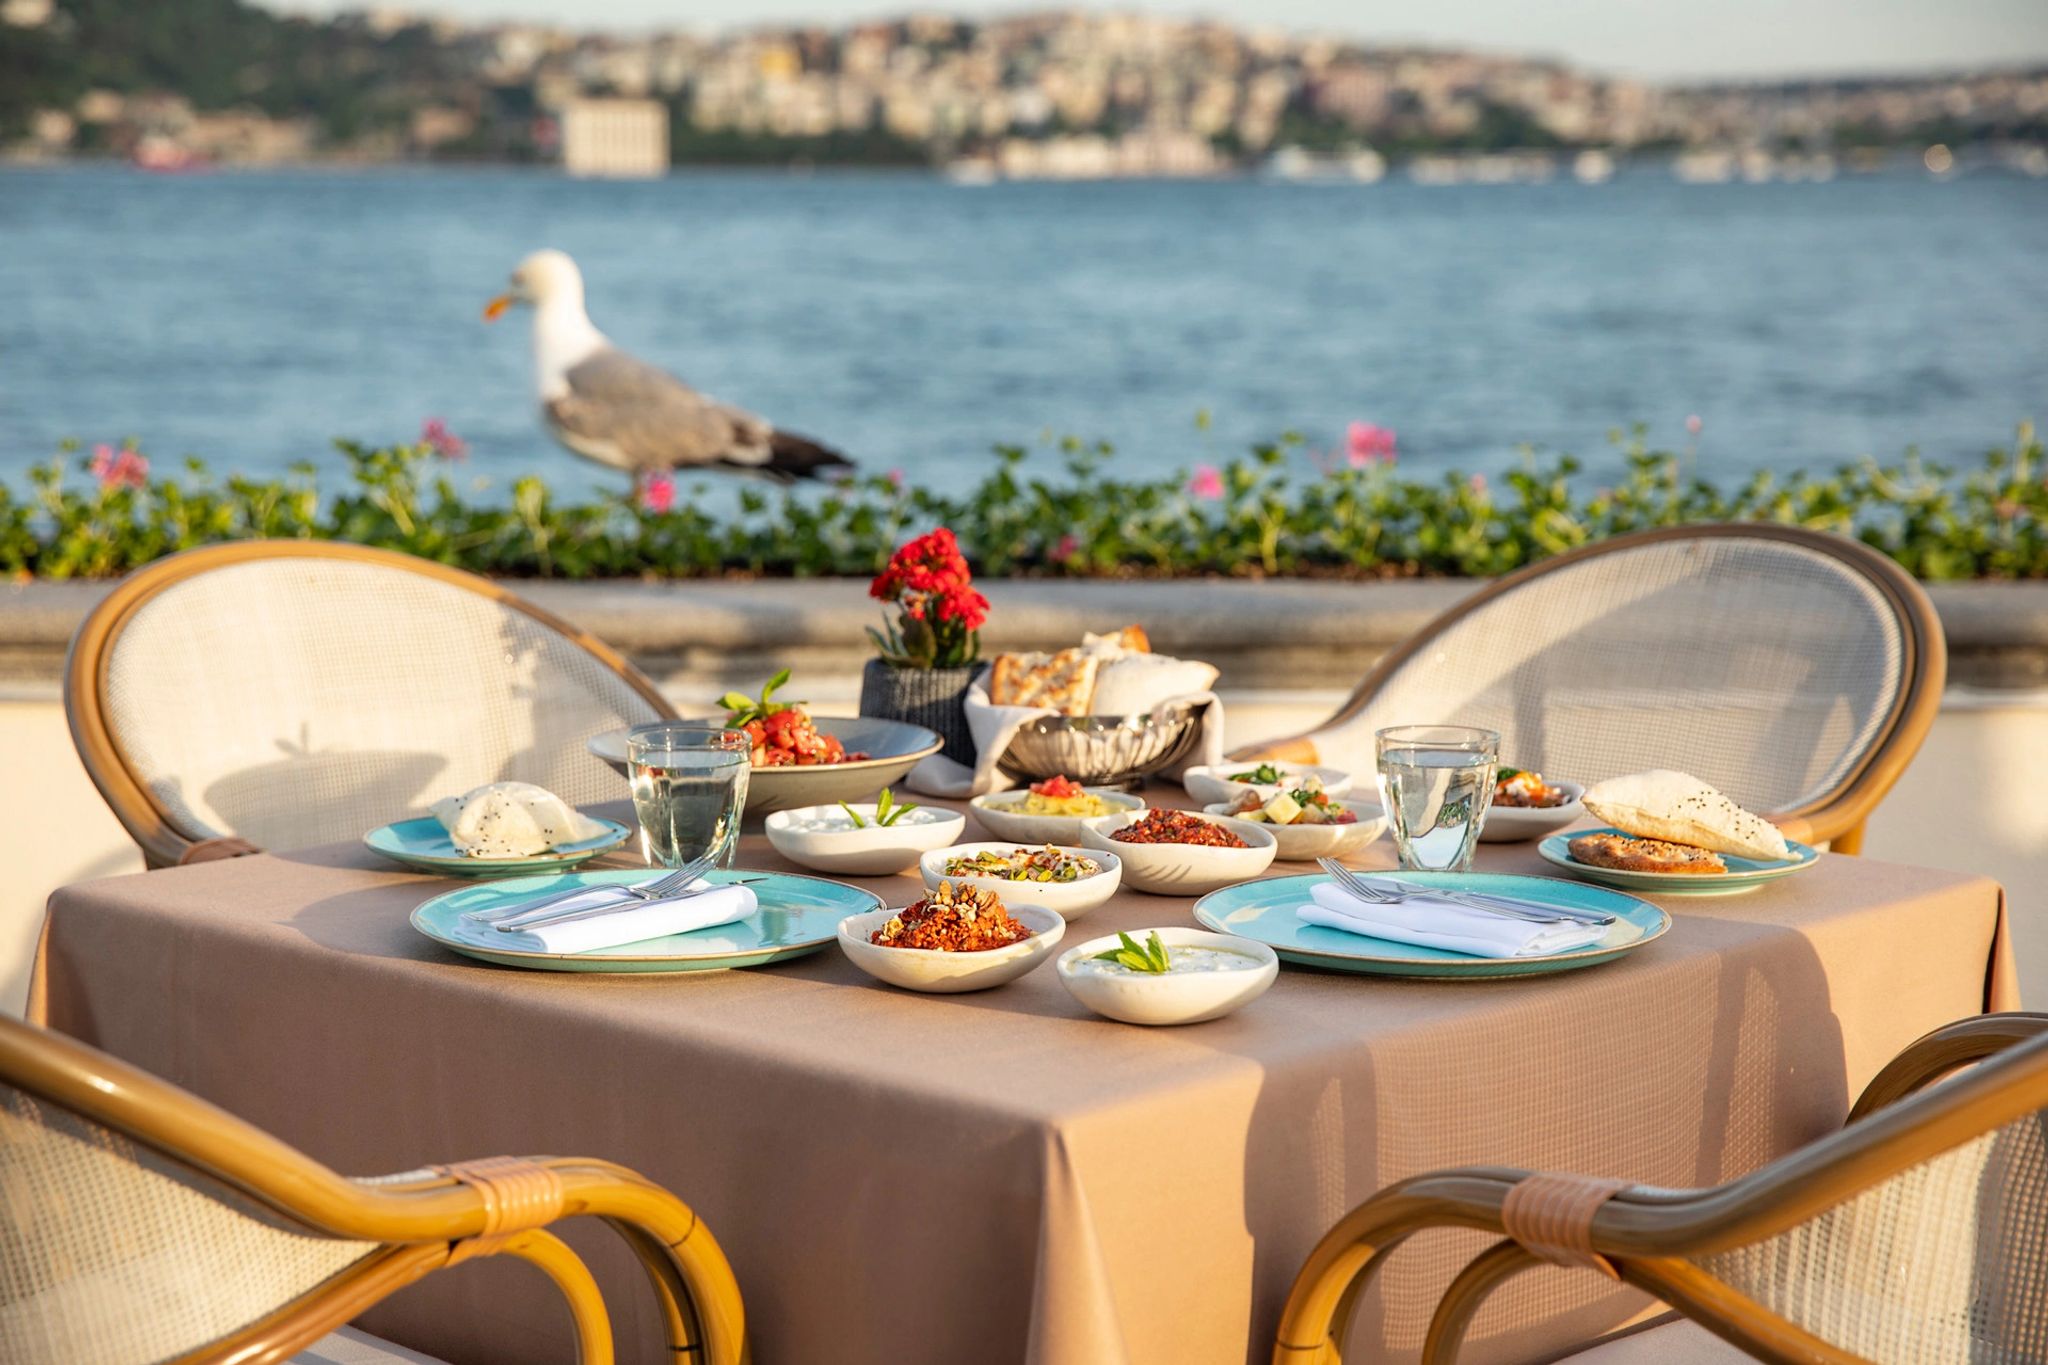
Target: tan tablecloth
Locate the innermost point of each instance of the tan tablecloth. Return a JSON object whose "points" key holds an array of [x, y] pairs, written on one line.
{"points": [[1002, 1176]]}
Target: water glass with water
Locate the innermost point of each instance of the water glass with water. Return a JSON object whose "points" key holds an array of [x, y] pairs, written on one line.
{"points": [[1436, 782], [689, 787]]}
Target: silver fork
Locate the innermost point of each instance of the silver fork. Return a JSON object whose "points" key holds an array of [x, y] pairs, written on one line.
{"points": [[527, 911], [1358, 886], [675, 897]]}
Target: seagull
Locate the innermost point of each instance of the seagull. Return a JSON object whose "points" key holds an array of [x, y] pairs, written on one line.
{"points": [[620, 411]]}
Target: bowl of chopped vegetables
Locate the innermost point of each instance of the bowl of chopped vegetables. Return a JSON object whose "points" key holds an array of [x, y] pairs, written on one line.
{"points": [[1525, 806], [1214, 784], [1307, 823], [865, 839], [956, 938], [1067, 881]]}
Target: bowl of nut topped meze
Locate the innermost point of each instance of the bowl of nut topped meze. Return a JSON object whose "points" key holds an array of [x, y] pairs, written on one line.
{"points": [[1182, 852], [956, 938]]}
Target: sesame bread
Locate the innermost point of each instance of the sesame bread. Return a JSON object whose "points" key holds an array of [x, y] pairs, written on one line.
{"points": [[1680, 808]]}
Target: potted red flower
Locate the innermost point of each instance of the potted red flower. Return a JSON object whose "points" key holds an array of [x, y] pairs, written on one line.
{"points": [[931, 649]]}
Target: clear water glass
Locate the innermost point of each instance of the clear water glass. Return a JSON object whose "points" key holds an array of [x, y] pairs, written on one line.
{"points": [[1436, 782], [689, 787]]}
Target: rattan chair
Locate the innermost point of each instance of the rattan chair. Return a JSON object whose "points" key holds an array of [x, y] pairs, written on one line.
{"points": [[1919, 1233], [139, 1224], [278, 694], [1796, 671]]}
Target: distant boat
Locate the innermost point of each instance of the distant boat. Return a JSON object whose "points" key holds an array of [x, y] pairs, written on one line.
{"points": [[1593, 167], [972, 170], [1362, 166], [159, 154]]}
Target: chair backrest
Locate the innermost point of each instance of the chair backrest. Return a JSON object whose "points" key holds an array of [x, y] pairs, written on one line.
{"points": [[292, 693], [1944, 1259], [120, 1252], [1783, 666]]}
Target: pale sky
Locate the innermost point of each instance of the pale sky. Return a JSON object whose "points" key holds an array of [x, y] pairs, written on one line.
{"points": [[1660, 39]]}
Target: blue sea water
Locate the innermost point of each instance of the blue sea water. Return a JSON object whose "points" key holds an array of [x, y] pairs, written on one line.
{"points": [[249, 317]]}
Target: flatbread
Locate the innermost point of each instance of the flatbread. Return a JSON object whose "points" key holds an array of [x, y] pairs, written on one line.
{"points": [[512, 820], [1063, 682], [1643, 855], [1134, 684], [1681, 809]]}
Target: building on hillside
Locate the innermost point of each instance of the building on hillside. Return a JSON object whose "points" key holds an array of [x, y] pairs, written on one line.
{"points": [[612, 137]]}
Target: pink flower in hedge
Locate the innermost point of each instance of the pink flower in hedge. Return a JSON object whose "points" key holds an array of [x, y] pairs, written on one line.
{"points": [[1366, 444], [658, 494], [1478, 483], [1207, 483], [435, 435], [122, 468], [1067, 547], [1693, 425], [896, 479]]}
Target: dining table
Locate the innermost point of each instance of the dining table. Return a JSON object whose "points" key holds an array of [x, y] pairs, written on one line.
{"points": [[1003, 1176]]}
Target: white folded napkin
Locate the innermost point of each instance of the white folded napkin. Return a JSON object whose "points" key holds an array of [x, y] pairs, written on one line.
{"points": [[1439, 924], [632, 923], [994, 726]]}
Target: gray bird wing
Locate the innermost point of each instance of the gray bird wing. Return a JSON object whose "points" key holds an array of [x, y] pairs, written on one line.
{"points": [[625, 412]]}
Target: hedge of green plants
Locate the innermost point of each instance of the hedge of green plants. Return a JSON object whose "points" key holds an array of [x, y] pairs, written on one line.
{"points": [[1061, 512]]}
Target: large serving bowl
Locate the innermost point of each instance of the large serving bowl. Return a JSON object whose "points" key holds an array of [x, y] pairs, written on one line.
{"points": [[924, 969], [894, 748], [991, 810], [1068, 900], [1104, 750], [1306, 843], [1184, 869], [1212, 784], [1173, 997], [871, 850], [1512, 824]]}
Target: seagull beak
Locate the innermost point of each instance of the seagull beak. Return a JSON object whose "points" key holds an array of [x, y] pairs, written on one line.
{"points": [[495, 309]]}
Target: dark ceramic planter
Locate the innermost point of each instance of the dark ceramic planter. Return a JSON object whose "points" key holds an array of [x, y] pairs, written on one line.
{"points": [[935, 698]]}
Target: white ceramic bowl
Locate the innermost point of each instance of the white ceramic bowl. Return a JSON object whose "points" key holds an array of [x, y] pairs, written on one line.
{"points": [[1184, 869], [894, 748], [871, 852], [1513, 824], [1042, 829], [1174, 997], [1211, 785], [1068, 900], [1306, 843], [925, 969]]}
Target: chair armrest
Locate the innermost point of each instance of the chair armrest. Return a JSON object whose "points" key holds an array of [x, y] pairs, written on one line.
{"points": [[1937, 1054]]}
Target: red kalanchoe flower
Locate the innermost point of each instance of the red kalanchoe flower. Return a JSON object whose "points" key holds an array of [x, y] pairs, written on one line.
{"points": [[938, 610]]}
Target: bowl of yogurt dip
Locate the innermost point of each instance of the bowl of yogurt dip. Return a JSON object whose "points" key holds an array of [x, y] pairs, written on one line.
{"points": [[1206, 977], [853, 844]]}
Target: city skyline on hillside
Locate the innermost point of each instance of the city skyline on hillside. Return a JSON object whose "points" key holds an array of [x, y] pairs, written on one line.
{"points": [[1738, 39]]}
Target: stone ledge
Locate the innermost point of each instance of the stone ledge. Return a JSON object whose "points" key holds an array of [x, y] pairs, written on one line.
{"points": [[1282, 634]]}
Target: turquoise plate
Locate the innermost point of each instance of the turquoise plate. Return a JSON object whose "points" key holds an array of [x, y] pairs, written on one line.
{"points": [[798, 915], [1743, 874], [424, 844], [1264, 911]]}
